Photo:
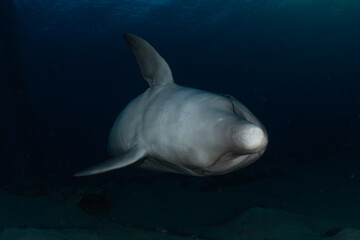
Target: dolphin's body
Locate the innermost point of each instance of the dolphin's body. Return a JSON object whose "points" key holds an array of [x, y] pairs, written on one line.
{"points": [[178, 129]]}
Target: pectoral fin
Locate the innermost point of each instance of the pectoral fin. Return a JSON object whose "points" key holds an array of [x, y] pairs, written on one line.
{"points": [[120, 161]]}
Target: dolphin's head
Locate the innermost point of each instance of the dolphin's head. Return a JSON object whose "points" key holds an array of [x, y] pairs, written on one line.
{"points": [[240, 138]]}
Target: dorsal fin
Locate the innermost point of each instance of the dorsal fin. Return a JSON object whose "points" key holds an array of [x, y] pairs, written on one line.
{"points": [[153, 67]]}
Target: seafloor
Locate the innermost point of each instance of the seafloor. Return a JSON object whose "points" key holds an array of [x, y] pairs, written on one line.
{"points": [[317, 200]]}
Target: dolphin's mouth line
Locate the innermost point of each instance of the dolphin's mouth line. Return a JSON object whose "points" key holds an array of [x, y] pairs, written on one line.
{"points": [[222, 160], [230, 162]]}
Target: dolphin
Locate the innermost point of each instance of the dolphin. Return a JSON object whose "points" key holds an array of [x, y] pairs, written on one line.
{"points": [[178, 129]]}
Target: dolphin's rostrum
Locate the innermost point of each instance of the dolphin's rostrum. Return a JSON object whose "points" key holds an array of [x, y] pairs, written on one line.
{"points": [[179, 129]]}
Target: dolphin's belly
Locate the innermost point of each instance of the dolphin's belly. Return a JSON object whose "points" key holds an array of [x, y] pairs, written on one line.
{"points": [[157, 165]]}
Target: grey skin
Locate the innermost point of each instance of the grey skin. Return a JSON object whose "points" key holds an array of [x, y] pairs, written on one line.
{"points": [[178, 129]]}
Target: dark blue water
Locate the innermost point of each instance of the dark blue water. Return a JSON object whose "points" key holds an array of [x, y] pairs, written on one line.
{"points": [[66, 73], [293, 63]]}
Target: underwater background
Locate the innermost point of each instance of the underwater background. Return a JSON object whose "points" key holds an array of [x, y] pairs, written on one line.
{"points": [[66, 73]]}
